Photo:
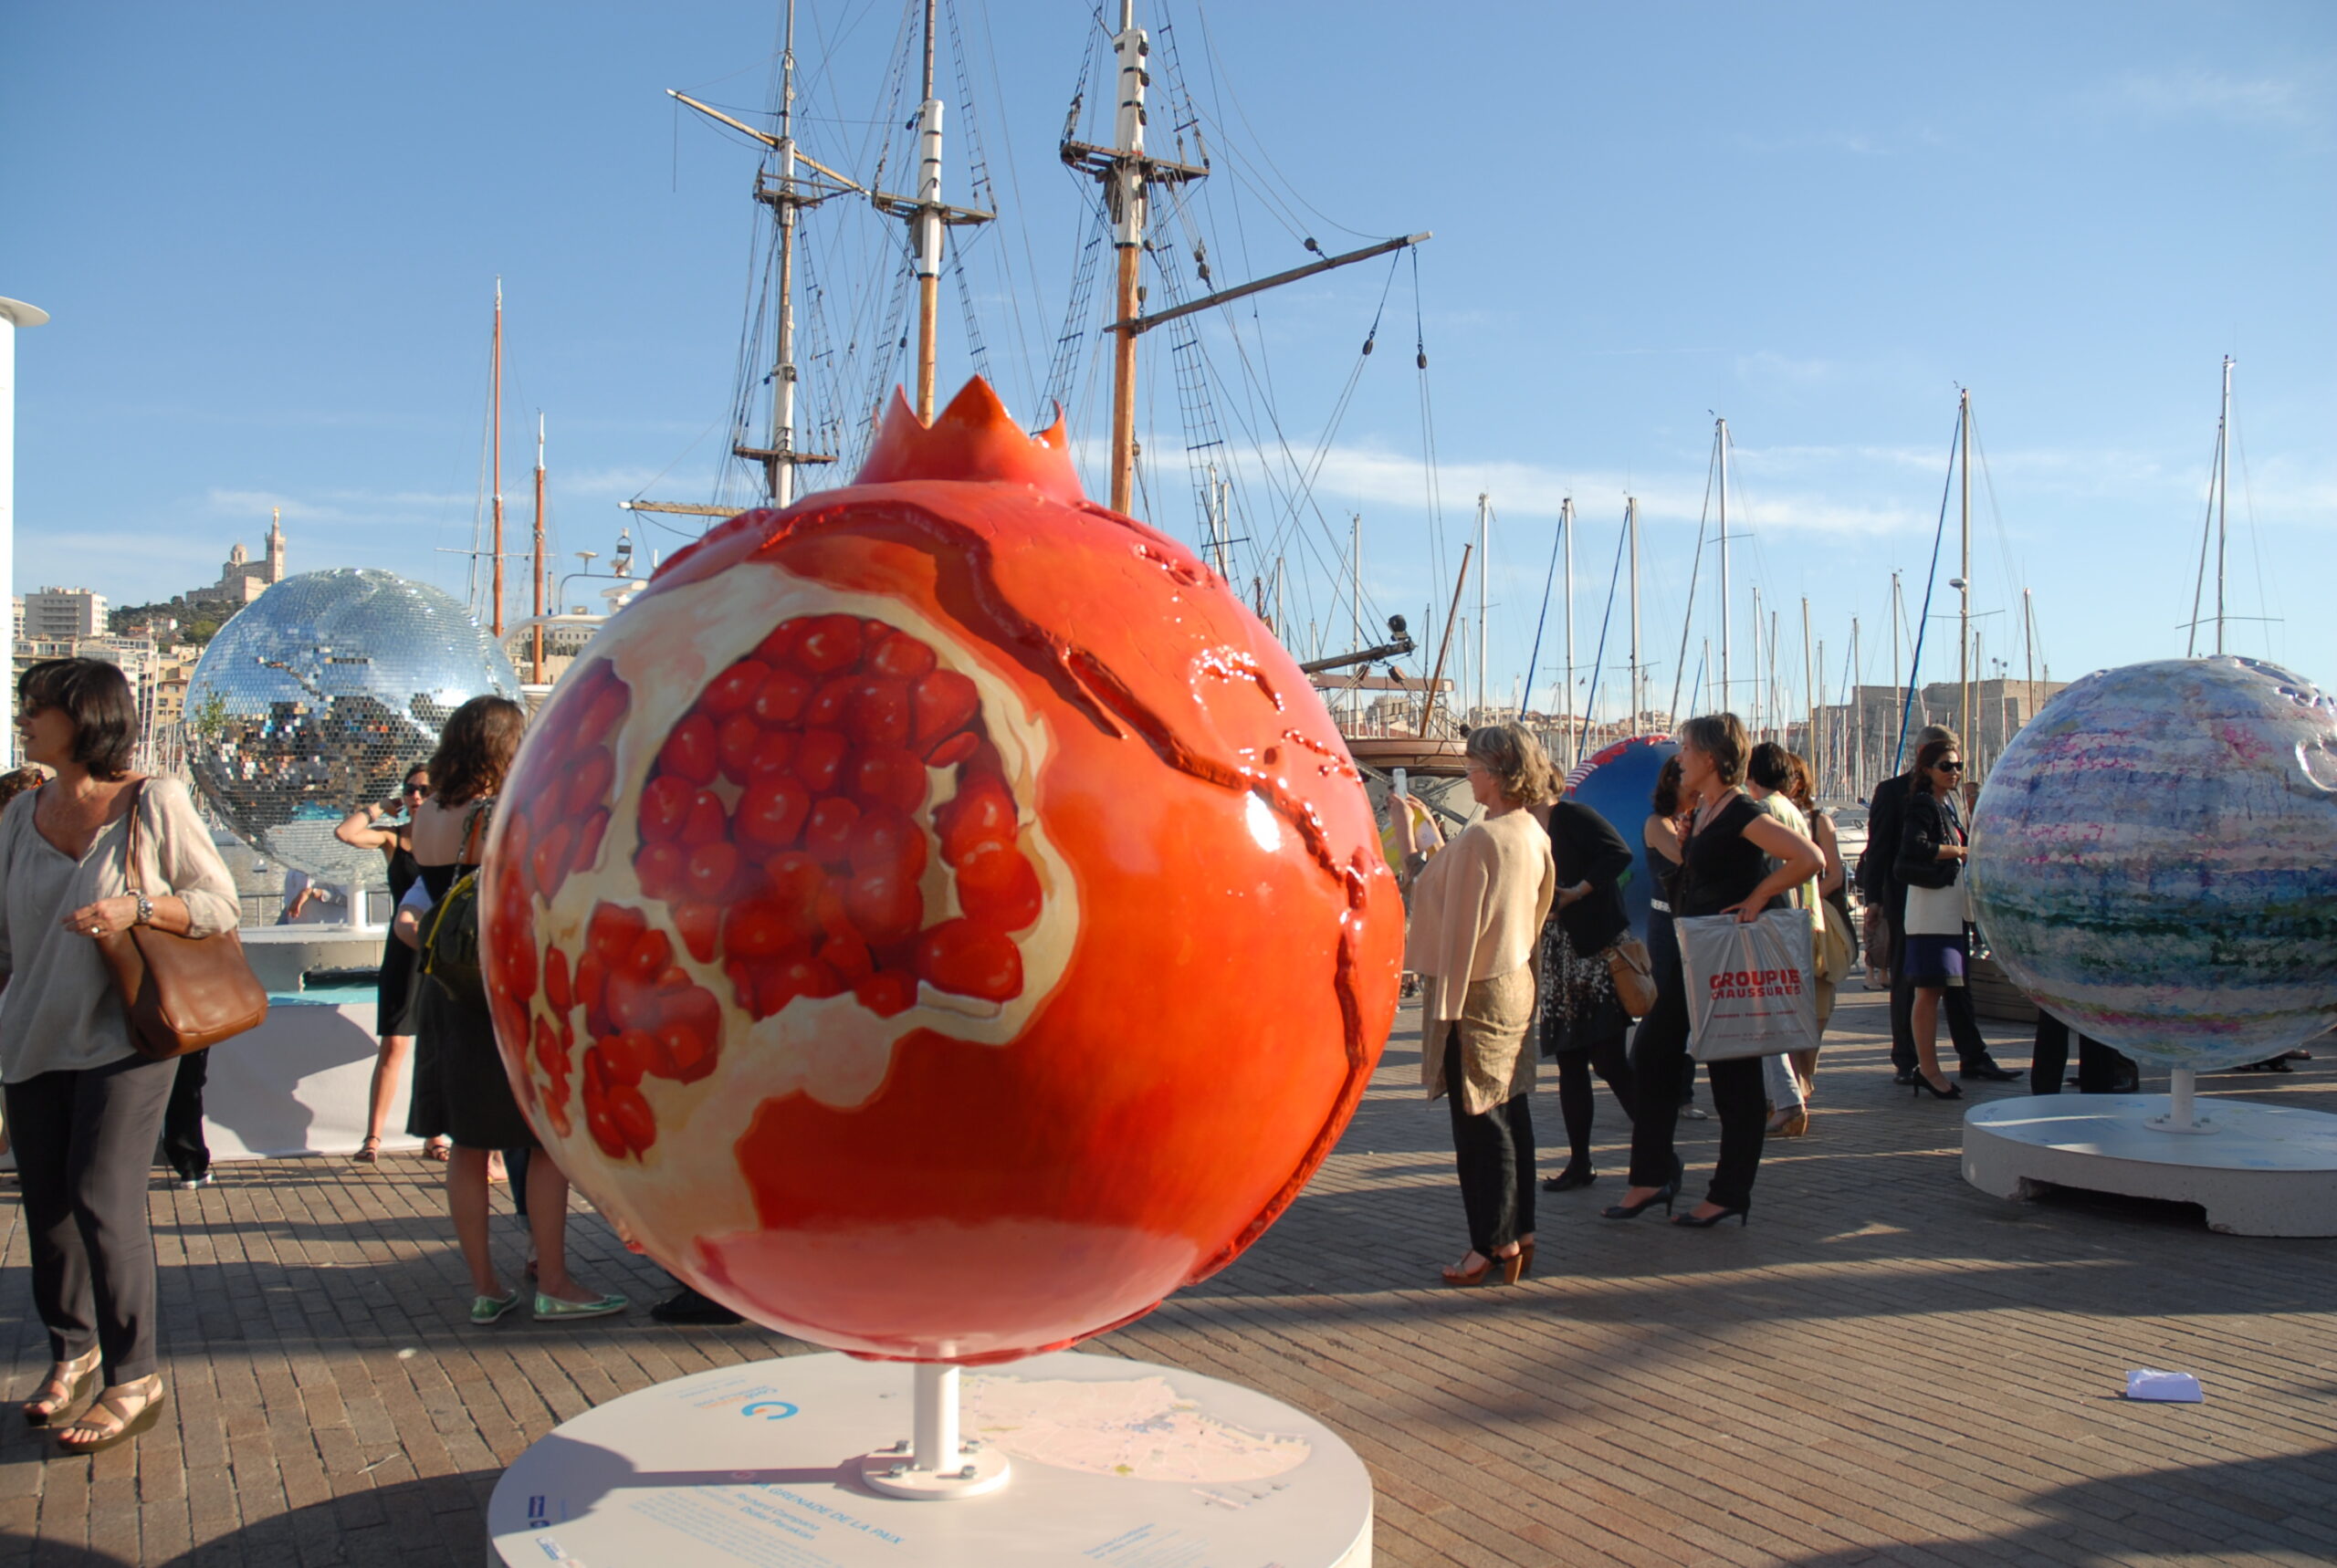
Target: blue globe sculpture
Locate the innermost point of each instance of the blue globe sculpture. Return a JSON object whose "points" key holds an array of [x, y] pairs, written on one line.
{"points": [[1618, 782], [319, 695], [2155, 860]]}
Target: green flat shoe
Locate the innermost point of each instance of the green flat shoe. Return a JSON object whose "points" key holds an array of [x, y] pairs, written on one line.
{"points": [[599, 1307], [487, 1309]]}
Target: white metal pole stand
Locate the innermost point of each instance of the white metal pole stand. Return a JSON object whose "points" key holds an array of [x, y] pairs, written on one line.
{"points": [[938, 1463], [2182, 1112]]}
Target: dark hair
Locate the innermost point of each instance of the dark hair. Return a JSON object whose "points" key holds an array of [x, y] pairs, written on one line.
{"points": [[1770, 767], [13, 784], [1665, 802], [421, 767], [1925, 737], [1928, 758], [95, 696], [475, 748], [1722, 737], [1803, 791]]}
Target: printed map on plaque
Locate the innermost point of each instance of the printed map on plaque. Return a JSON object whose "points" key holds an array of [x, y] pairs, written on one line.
{"points": [[1141, 1429]]}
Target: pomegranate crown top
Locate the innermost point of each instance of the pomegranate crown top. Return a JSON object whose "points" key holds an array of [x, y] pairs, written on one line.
{"points": [[974, 440]]}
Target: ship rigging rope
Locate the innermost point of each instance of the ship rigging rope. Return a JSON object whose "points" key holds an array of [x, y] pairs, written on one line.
{"points": [[1695, 572], [1606, 620], [1923, 621]]}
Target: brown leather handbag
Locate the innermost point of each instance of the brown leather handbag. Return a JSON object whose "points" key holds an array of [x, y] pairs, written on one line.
{"points": [[183, 993], [1633, 968]]}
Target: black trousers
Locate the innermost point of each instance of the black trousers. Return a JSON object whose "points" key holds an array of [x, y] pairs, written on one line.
{"points": [[2100, 1068], [1611, 1058], [1495, 1154], [182, 1142], [1661, 1069], [85, 1147], [1955, 1007]]}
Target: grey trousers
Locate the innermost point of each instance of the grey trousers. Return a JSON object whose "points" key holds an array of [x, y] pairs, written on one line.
{"points": [[85, 1148]]}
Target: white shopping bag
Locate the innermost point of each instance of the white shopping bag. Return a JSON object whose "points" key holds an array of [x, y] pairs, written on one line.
{"points": [[1751, 991]]}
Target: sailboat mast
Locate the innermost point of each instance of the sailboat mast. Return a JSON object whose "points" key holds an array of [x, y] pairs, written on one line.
{"points": [[1964, 581], [1753, 715], [536, 639], [1566, 532], [1126, 185], [1354, 579], [2223, 495], [1484, 560], [779, 473], [1720, 442], [1809, 693], [1857, 715], [495, 440], [1631, 526], [928, 225]]}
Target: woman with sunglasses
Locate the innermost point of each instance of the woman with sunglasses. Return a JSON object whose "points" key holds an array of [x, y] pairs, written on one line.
{"points": [[389, 827], [1935, 949]]}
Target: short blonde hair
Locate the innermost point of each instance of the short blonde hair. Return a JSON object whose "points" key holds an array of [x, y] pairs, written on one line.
{"points": [[1515, 760]]}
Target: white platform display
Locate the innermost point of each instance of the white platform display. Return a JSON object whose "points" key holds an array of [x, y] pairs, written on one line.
{"points": [[297, 1084], [1115, 1464], [2258, 1170]]}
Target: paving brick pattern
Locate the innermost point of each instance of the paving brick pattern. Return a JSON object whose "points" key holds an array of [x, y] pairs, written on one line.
{"points": [[1885, 1367]]}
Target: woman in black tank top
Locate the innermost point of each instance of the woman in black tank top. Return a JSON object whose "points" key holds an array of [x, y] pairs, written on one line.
{"points": [[1735, 860], [389, 827]]}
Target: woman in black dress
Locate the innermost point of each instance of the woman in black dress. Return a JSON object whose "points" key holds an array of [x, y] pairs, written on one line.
{"points": [[467, 1086], [1583, 1024], [389, 827], [1735, 860]]}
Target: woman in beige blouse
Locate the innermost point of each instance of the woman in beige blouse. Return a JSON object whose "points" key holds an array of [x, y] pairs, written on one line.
{"points": [[85, 1107], [1477, 914]]}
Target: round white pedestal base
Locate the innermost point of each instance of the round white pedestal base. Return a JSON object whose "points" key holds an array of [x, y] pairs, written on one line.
{"points": [[892, 1473], [1116, 1464], [2266, 1170]]}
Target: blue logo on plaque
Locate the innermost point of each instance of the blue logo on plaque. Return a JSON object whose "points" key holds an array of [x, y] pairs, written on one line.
{"points": [[780, 1409]]}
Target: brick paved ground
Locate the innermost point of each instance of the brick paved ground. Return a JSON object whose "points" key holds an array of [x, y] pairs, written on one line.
{"points": [[1885, 1367]]}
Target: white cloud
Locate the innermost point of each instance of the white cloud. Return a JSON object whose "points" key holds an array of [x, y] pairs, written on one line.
{"points": [[2287, 103]]}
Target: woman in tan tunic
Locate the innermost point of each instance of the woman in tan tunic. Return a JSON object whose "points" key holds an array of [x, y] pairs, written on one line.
{"points": [[1477, 914]]}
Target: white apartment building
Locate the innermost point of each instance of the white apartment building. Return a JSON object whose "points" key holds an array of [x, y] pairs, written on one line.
{"points": [[55, 614]]}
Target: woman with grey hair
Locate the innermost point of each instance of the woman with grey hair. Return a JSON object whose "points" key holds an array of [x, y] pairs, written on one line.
{"points": [[1477, 915]]}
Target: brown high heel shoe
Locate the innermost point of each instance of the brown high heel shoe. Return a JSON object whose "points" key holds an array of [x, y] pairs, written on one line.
{"points": [[1464, 1279], [68, 1382]]}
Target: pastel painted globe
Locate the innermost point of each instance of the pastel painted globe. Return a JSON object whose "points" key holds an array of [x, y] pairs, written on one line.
{"points": [[318, 696], [1619, 783], [2155, 860]]}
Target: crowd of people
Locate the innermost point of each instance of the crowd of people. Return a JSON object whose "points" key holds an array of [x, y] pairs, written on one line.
{"points": [[88, 851], [1520, 942]]}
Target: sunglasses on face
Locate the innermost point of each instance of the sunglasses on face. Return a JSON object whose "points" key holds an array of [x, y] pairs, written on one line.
{"points": [[1949, 767]]}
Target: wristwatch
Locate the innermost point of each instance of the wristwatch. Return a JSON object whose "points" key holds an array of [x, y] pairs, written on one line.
{"points": [[145, 909]]}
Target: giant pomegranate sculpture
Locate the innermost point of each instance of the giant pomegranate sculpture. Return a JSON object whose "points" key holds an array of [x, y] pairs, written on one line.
{"points": [[938, 919]]}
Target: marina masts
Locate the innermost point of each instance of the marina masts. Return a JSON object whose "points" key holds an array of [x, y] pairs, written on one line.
{"points": [[494, 444], [536, 635], [1720, 442], [1964, 580], [1631, 526], [787, 191]]}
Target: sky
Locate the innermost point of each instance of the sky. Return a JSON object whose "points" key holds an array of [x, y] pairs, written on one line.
{"points": [[270, 236]]}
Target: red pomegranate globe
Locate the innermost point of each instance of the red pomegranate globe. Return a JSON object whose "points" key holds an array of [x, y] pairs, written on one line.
{"points": [[938, 919]]}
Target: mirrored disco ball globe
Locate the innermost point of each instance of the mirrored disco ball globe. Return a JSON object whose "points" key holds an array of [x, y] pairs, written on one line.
{"points": [[2155, 860], [318, 696]]}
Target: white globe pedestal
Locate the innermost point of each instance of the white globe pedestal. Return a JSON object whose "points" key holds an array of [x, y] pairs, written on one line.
{"points": [[822, 1461], [2258, 1170]]}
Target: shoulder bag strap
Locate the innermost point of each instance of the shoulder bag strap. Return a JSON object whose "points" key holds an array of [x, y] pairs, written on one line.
{"points": [[129, 850]]}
